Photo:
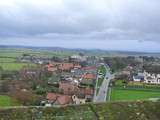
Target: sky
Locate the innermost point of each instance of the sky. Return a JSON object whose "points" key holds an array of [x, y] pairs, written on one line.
{"points": [[132, 25]]}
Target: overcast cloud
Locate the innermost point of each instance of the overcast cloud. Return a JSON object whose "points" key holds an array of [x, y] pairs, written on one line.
{"points": [[100, 24]]}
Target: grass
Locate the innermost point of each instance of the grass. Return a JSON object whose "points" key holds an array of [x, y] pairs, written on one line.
{"points": [[118, 94], [105, 111], [6, 101], [14, 66], [4, 60], [19, 52]]}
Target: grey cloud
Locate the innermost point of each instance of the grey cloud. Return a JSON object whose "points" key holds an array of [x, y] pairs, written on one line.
{"points": [[81, 19]]}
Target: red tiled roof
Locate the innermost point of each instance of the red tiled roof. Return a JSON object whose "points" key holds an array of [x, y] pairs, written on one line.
{"points": [[89, 68], [66, 66], [64, 99], [68, 88], [88, 76], [50, 67], [87, 91], [77, 66], [51, 96], [61, 99]]}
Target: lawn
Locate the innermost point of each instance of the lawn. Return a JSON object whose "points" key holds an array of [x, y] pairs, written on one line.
{"points": [[130, 94], [7, 101], [14, 66]]}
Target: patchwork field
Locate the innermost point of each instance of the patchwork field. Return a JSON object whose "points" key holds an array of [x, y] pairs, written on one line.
{"points": [[117, 94], [19, 52]]}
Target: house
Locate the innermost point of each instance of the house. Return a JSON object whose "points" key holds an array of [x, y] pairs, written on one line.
{"points": [[77, 100], [77, 73], [151, 78], [66, 66], [88, 82], [68, 88], [57, 99], [51, 67], [89, 76], [89, 68], [33, 59], [87, 93], [77, 66], [139, 77], [126, 71], [78, 58], [147, 78]]}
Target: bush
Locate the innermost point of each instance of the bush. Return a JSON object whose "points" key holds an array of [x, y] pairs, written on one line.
{"points": [[41, 91]]}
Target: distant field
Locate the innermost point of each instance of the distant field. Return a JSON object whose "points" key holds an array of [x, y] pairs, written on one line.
{"points": [[126, 94], [7, 101], [20, 52], [2, 59], [14, 66]]}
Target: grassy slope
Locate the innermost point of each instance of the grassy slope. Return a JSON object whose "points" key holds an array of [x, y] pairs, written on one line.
{"points": [[105, 111], [7, 101]]}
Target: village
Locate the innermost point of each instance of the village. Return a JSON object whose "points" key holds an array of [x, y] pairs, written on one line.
{"points": [[56, 81], [76, 79]]}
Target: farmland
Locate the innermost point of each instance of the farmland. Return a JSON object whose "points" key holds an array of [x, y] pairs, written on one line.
{"points": [[18, 52], [5, 59], [9, 63], [14, 66]]}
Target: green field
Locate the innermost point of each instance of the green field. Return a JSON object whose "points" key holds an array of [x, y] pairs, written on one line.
{"points": [[46, 53], [7, 101], [8, 57], [3, 60], [14, 66], [117, 94]]}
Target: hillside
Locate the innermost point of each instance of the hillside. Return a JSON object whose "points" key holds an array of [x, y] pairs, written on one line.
{"points": [[103, 111], [68, 51]]}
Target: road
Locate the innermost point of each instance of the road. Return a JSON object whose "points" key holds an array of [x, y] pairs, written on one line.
{"points": [[103, 91]]}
